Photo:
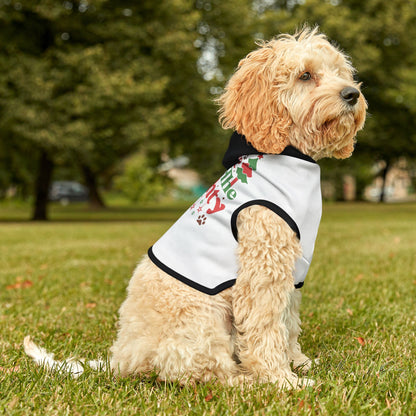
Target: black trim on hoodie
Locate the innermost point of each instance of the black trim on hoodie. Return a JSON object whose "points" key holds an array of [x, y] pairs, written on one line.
{"points": [[191, 283], [270, 205], [239, 146]]}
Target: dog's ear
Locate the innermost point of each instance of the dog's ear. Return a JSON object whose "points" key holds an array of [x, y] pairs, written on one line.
{"points": [[251, 104]]}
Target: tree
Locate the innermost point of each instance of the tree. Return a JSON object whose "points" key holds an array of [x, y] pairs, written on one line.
{"points": [[81, 84], [223, 35], [95, 82]]}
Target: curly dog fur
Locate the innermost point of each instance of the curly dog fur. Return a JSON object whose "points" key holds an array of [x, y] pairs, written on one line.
{"points": [[294, 90], [250, 331]]}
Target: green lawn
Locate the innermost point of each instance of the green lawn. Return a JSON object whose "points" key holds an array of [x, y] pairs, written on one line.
{"points": [[62, 282]]}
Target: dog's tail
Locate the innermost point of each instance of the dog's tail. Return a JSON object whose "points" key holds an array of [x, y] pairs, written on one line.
{"points": [[71, 365]]}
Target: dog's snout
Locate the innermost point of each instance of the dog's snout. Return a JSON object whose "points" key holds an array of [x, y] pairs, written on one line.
{"points": [[350, 95]]}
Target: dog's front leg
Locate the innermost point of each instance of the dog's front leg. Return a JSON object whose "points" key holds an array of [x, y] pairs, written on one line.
{"points": [[267, 252], [300, 360]]}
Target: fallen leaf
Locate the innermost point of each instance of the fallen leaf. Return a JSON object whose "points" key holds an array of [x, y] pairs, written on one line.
{"points": [[310, 314], [15, 285], [10, 287], [361, 341], [349, 312], [301, 404], [359, 277], [209, 396], [91, 305], [20, 285]]}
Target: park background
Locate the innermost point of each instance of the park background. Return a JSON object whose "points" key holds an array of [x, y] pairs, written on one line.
{"points": [[119, 96]]}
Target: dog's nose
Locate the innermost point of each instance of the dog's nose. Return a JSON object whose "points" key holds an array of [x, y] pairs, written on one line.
{"points": [[350, 95]]}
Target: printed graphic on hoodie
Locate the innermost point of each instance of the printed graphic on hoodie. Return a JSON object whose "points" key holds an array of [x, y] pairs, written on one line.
{"points": [[215, 199]]}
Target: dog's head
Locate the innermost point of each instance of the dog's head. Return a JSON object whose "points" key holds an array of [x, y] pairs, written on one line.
{"points": [[295, 90]]}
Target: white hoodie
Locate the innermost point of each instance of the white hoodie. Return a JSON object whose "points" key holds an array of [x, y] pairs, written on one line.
{"points": [[200, 248]]}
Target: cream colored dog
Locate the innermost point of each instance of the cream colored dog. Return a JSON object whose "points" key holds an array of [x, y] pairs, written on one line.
{"points": [[293, 91]]}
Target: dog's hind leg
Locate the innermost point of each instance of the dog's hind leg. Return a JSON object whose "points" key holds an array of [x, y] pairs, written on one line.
{"points": [[171, 328], [141, 323], [199, 346], [196, 352], [267, 252]]}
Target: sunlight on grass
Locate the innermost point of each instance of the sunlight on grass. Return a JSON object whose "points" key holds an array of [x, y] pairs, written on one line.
{"points": [[63, 282]]}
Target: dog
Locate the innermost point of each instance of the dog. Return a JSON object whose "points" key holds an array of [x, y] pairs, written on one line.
{"points": [[217, 297]]}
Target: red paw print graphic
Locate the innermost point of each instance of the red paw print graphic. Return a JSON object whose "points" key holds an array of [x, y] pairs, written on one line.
{"points": [[201, 219]]}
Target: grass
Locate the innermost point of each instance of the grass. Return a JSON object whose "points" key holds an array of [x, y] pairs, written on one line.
{"points": [[62, 282]]}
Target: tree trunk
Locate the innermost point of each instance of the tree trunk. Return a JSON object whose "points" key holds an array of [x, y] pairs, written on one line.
{"points": [[95, 199], [42, 185], [384, 177]]}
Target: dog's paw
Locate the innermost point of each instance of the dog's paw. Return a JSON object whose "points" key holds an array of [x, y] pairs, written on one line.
{"points": [[297, 383], [301, 383], [306, 382], [303, 364]]}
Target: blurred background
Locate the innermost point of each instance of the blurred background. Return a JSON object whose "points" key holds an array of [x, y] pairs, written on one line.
{"points": [[104, 100]]}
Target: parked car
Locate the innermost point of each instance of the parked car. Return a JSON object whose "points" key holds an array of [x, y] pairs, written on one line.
{"points": [[68, 191]]}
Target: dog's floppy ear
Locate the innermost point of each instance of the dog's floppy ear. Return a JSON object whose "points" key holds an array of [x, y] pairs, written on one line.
{"points": [[251, 104]]}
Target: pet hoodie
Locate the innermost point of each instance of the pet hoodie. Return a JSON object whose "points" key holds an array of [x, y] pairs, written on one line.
{"points": [[200, 249]]}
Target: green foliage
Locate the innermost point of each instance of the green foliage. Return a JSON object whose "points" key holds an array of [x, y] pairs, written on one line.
{"points": [[224, 36], [139, 181], [16, 167], [77, 92], [92, 83]]}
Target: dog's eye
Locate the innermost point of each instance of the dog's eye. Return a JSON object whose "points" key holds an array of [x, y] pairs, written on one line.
{"points": [[306, 76]]}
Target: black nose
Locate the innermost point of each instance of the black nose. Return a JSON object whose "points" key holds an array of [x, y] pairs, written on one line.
{"points": [[350, 95]]}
